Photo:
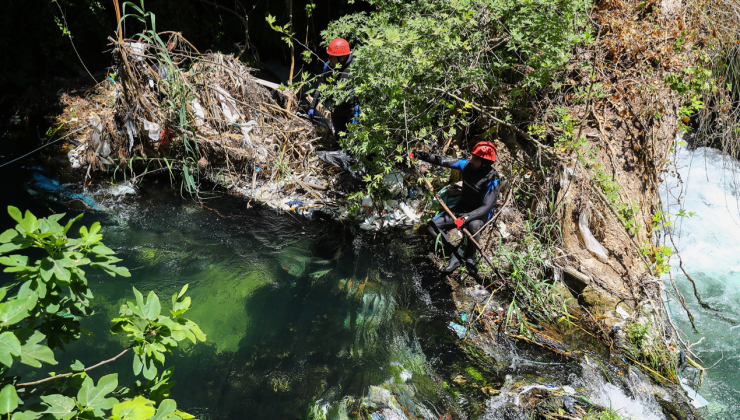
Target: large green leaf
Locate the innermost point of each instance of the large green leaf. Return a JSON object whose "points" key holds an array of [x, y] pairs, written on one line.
{"points": [[8, 399], [71, 221], [90, 237], [8, 235], [15, 310], [152, 308], [9, 347], [32, 353], [150, 370], [56, 266], [25, 415], [15, 213], [138, 408], [59, 406], [138, 363], [166, 410], [93, 397]]}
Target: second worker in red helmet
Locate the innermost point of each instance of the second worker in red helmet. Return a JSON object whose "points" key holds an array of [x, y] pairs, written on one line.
{"points": [[481, 184], [340, 60]]}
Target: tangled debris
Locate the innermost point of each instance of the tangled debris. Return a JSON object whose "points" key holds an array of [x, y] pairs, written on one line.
{"points": [[207, 117]]}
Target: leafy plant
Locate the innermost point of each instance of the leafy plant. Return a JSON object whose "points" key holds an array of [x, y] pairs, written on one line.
{"points": [[529, 291], [426, 69], [41, 309]]}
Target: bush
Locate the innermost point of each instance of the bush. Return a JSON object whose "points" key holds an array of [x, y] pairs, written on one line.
{"points": [[40, 310], [424, 67]]}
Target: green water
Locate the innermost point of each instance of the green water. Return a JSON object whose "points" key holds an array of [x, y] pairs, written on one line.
{"points": [[300, 316]]}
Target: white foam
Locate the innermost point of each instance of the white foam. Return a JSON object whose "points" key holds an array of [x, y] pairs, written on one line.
{"points": [[630, 407]]}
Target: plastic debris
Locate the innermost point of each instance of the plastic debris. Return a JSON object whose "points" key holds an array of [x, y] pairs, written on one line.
{"points": [[458, 329], [394, 182], [593, 246], [696, 400], [152, 128], [198, 110]]}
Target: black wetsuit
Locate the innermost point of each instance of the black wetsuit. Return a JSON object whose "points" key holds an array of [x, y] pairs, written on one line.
{"points": [[343, 112], [480, 192]]}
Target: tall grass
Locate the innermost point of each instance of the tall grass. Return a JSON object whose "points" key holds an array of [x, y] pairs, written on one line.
{"points": [[179, 92], [530, 290]]}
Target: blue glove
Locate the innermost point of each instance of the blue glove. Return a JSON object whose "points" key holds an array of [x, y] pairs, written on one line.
{"points": [[310, 114], [357, 114]]}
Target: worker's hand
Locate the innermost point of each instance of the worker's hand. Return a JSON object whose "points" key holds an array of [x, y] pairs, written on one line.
{"points": [[310, 114], [459, 222], [420, 155]]}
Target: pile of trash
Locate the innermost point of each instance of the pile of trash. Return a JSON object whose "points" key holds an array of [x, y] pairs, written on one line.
{"points": [[207, 117], [195, 109]]}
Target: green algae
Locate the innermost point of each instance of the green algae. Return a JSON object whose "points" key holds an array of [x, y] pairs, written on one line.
{"points": [[222, 298]]}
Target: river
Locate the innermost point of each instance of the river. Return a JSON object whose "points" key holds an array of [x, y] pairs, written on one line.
{"points": [[302, 318], [317, 320], [709, 243]]}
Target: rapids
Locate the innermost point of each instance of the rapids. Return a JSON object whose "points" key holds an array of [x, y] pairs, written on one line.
{"points": [[709, 243]]}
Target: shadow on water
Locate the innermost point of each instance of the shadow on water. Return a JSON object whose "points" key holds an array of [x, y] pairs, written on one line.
{"points": [[297, 314]]}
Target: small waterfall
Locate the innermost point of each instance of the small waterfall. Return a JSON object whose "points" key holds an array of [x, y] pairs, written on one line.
{"points": [[709, 243]]}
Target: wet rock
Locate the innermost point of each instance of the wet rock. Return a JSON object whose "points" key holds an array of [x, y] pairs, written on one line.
{"points": [[568, 405], [597, 299]]}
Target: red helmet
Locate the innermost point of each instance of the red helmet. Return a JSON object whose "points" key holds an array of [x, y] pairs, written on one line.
{"points": [[485, 150], [338, 47]]}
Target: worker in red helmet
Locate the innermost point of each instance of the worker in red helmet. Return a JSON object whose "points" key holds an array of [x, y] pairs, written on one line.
{"points": [[340, 60], [480, 191]]}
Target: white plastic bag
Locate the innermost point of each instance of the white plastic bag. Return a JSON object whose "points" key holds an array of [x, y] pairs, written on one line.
{"points": [[593, 246], [198, 110], [152, 128]]}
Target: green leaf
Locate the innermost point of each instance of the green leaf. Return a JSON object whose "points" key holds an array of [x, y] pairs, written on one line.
{"points": [[138, 408], [196, 330], [8, 399], [15, 213], [8, 235], [165, 410], [101, 249], [152, 308], [9, 347], [138, 364], [25, 415], [182, 291], [150, 370], [56, 266], [59, 406], [93, 397], [15, 310], [31, 351], [69, 224]]}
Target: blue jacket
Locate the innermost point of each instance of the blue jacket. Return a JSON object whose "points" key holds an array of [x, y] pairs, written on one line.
{"points": [[480, 186]]}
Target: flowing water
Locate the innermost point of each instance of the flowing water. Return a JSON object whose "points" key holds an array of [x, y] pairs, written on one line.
{"points": [[298, 316], [318, 320], [709, 243]]}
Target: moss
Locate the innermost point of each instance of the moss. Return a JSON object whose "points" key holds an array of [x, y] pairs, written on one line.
{"points": [[226, 293]]}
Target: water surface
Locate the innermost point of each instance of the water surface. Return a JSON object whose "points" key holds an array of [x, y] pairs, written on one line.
{"points": [[298, 315], [709, 243]]}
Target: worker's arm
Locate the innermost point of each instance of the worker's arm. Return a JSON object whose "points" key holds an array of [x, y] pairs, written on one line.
{"points": [[444, 161], [489, 201], [317, 92]]}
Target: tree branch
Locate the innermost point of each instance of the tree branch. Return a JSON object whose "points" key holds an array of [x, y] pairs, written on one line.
{"points": [[64, 375]]}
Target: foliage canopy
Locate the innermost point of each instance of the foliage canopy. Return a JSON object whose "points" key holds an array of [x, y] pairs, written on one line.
{"points": [[422, 66]]}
